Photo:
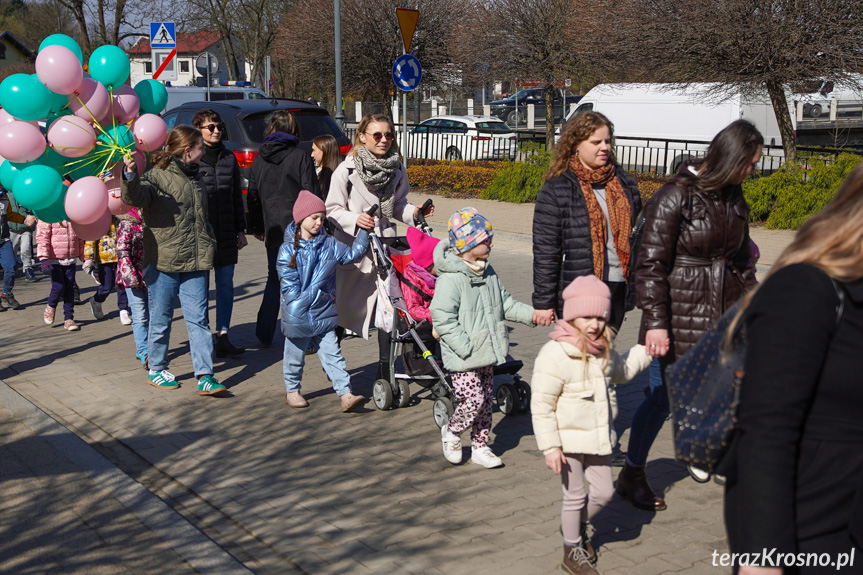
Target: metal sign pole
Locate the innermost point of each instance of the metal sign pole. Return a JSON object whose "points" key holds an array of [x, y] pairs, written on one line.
{"points": [[208, 76]]}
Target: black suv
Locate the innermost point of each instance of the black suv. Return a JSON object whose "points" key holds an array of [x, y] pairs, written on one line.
{"points": [[246, 120], [505, 108]]}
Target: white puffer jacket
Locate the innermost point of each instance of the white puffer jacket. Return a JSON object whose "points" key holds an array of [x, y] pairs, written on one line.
{"points": [[572, 408]]}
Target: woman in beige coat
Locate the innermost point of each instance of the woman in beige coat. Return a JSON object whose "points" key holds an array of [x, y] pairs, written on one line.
{"points": [[573, 407], [371, 175]]}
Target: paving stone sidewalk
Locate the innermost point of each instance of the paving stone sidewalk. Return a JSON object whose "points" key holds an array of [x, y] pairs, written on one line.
{"points": [[315, 490]]}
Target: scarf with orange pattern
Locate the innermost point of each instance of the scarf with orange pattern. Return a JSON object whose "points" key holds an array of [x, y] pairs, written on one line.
{"points": [[619, 212]]}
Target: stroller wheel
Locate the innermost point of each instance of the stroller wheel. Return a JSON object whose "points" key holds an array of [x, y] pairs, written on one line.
{"points": [[506, 398], [522, 393], [442, 411], [382, 394], [403, 393]]}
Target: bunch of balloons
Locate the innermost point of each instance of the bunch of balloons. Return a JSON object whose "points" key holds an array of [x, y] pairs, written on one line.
{"points": [[73, 171]]}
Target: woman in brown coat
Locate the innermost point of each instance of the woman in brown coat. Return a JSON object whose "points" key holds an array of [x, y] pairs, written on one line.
{"points": [[695, 262]]}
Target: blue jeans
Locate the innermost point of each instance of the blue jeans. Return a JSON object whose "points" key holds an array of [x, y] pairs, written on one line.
{"points": [[107, 274], [192, 287], [271, 303], [650, 415], [330, 355], [137, 298], [224, 277], [63, 287], [8, 262]]}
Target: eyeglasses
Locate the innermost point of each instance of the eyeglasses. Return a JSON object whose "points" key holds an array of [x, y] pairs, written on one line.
{"points": [[212, 127], [378, 136]]}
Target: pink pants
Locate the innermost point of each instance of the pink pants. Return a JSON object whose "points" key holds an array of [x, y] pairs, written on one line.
{"points": [[473, 390], [580, 506]]}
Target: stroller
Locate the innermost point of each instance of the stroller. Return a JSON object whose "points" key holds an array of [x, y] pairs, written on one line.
{"points": [[413, 342]]}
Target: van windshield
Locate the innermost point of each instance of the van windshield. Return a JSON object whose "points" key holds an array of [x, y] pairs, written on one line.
{"points": [[257, 96]]}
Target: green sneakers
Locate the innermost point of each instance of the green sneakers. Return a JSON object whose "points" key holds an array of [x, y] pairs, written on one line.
{"points": [[163, 380], [209, 385]]}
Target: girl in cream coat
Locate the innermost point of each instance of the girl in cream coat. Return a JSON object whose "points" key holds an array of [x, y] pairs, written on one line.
{"points": [[573, 409]]}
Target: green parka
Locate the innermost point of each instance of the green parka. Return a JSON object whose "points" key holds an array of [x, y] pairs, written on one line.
{"points": [[468, 312], [177, 234]]}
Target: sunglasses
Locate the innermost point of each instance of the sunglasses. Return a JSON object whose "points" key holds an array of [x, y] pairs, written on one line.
{"points": [[388, 136], [212, 127]]}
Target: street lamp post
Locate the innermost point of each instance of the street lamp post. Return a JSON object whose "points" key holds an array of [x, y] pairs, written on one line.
{"points": [[340, 115]]}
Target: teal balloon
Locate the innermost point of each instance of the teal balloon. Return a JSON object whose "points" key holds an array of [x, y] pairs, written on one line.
{"points": [[55, 115], [119, 135], [109, 65], [153, 96], [38, 187], [56, 212], [8, 173], [89, 165], [25, 97], [58, 101], [65, 41]]}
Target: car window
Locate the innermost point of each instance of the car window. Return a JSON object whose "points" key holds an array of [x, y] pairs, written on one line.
{"points": [[453, 127], [186, 116], [492, 127], [256, 96], [311, 125], [170, 119], [431, 126], [584, 108], [219, 96]]}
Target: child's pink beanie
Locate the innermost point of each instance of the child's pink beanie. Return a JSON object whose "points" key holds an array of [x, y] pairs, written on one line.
{"points": [[307, 204], [586, 296], [422, 247]]}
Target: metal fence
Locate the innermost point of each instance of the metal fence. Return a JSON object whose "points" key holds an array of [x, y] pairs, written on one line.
{"points": [[453, 146]]}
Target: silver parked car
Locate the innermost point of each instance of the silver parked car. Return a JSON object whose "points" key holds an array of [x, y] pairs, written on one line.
{"points": [[462, 138]]}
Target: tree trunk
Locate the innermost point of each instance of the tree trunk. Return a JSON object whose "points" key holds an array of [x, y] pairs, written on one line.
{"points": [[549, 117], [783, 118]]}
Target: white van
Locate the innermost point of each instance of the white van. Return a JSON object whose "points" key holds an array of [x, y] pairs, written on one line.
{"points": [[178, 95], [658, 126]]}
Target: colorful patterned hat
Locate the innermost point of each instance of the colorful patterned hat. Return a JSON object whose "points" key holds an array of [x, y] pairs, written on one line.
{"points": [[467, 229]]}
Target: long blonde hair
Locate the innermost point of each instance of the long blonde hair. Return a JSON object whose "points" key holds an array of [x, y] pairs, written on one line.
{"points": [[364, 123], [832, 239]]}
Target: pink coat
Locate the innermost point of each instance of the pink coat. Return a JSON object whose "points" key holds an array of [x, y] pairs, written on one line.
{"points": [[58, 242], [418, 306]]}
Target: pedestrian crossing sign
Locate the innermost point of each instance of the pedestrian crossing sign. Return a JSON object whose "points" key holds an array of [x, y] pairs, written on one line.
{"points": [[162, 35]]}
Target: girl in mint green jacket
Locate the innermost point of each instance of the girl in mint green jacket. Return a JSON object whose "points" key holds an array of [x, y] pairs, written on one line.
{"points": [[468, 311]]}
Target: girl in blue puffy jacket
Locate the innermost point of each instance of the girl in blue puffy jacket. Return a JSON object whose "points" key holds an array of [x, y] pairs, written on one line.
{"points": [[307, 265]]}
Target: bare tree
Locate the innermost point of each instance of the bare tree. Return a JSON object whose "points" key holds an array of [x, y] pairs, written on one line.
{"points": [[522, 38], [743, 45], [371, 42], [32, 22]]}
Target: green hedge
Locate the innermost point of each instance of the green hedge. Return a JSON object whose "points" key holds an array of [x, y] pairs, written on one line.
{"points": [[520, 182], [786, 198]]}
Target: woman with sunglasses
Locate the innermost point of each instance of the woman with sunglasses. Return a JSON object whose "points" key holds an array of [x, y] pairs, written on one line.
{"points": [[220, 181], [371, 175], [694, 263], [278, 174]]}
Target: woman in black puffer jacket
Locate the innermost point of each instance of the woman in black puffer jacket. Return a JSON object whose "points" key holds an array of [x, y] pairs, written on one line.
{"points": [[578, 233], [220, 180]]}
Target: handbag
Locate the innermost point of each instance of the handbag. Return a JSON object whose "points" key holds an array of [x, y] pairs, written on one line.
{"points": [[704, 391]]}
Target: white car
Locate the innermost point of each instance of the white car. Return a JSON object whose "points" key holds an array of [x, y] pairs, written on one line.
{"points": [[462, 138]]}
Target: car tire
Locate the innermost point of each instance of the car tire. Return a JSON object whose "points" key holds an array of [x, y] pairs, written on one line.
{"points": [[815, 111], [452, 154], [512, 119]]}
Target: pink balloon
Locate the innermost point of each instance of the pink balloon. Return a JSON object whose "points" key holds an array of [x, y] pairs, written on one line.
{"points": [[94, 231], [115, 205], [140, 161], [124, 106], [86, 201], [90, 101], [21, 142], [150, 132], [6, 118], [59, 69], [71, 136]]}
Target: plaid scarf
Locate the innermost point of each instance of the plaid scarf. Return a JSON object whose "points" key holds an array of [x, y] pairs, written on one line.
{"points": [[619, 212]]}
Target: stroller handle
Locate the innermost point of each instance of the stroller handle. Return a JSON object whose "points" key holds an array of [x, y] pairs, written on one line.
{"points": [[421, 218]]}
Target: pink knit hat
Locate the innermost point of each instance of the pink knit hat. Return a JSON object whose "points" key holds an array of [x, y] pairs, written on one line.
{"points": [[422, 247], [586, 296], [307, 204]]}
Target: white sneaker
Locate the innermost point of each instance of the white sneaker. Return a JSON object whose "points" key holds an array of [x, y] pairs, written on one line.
{"points": [[697, 474], [125, 318], [96, 308], [451, 445], [485, 456]]}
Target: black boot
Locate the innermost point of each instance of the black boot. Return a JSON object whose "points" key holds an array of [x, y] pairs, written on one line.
{"points": [[632, 484], [224, 347]]}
